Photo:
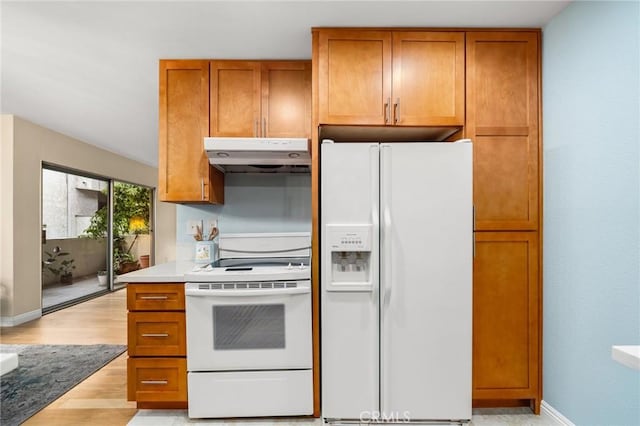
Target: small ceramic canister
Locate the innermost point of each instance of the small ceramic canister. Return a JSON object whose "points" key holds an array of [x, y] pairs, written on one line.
{"points": [[206, 251]]}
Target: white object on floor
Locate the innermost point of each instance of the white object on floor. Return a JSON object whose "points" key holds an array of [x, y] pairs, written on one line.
{"points": [[627, 355], [8, 362]]}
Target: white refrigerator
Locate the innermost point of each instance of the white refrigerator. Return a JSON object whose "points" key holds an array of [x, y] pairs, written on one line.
{"points": [[396, 281]]}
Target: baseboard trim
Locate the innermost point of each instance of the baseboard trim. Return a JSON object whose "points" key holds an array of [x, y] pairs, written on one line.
{"points": [[546, 410], [20, 319]]}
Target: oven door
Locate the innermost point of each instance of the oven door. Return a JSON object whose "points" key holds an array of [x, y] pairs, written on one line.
{"points": [[248, 329]]}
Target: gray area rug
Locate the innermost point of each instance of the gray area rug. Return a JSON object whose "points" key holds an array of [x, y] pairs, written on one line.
{"points": [[44, 373]]}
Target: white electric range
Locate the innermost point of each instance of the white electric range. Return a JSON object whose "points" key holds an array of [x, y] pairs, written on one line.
{"points": [[249, 336]]}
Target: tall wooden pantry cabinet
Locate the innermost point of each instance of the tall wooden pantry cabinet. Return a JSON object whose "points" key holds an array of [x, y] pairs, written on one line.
{"points": [[503, 120]]}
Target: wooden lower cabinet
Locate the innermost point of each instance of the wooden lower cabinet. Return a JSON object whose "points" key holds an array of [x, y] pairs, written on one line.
{"points": [[157, 379], [506, 318], [156, 336], [155, 297]]}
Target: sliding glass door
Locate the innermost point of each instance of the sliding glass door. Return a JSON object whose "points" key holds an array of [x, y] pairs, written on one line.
{"points": [[93, 229], [74, 265]]}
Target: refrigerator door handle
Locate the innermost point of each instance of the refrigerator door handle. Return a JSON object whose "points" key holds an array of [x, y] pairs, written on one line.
{"points": [[374, 176], [385, 194], [385, 269]]}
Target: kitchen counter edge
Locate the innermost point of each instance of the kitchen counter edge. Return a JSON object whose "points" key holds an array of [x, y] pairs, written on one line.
{"points": [[165, 272]]}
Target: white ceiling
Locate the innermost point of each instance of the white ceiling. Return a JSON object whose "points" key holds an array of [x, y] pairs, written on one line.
{"points": [[90, 69]]}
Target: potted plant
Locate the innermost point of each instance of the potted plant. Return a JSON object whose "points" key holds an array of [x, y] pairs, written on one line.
{"points": [[102, 278], [123, 261], [130, 217], [57, 264]]}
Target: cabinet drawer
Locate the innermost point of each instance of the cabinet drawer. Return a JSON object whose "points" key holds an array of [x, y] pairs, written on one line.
{"points": [[156, 334], [155, 297], [156, 379]]}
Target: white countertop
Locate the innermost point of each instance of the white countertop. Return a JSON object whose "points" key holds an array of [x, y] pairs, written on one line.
{"points": [[627, 355], [163, 273]]}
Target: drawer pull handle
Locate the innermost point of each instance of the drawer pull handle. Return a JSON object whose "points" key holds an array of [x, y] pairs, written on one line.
{"points": [[155, 335], [154, 297], [154, 382]]}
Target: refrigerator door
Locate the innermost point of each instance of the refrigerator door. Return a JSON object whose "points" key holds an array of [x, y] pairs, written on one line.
{"points": [[426, 280], [349, 314]]}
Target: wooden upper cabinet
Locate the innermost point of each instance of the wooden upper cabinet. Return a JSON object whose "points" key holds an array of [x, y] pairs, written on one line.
{"points": [[502, 82], [235, 98], [286, 99], [503, 121], [428, 78], [260, 98], [412, 78], [506, 316], [354, 77], [185, 174]]}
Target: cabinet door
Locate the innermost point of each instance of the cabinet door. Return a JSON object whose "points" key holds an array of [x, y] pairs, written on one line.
{"points": [[428, 78], [156, 334], [286, 99], [155, 297], [506, 300], [503, 121], [354, 77], [184, 171], [157, 379], [235, 98]]}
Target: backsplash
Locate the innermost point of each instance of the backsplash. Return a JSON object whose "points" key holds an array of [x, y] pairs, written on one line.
{"points": [[253, 203]]}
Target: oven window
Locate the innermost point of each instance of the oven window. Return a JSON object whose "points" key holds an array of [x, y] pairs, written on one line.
{"points": [[240, 327]]}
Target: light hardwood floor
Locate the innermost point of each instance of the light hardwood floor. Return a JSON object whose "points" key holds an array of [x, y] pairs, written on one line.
{"points": [[102, 398]]}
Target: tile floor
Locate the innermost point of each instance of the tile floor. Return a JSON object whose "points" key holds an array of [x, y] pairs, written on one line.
{"points": [[481, 417]]}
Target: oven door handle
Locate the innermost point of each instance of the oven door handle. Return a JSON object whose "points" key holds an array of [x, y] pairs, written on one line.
{"points": [[246, 292]]}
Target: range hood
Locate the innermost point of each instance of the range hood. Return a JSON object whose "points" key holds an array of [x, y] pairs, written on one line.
{"points": [[258, 155]]}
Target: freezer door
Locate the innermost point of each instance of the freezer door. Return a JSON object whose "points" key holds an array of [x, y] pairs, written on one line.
{"points": [[349, 316], [426, 280]]}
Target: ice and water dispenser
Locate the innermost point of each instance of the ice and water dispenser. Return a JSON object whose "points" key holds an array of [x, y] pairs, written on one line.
{"points": [[349, 247]]}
